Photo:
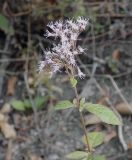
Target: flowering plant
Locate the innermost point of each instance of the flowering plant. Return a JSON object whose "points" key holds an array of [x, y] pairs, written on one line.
{"points": [[63, 55]]}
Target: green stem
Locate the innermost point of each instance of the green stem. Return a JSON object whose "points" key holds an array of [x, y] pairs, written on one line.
{"points": [[71, 75], [82, 119]]}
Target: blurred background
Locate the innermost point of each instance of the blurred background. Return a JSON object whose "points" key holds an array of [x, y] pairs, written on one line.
{"points": [[30, 129]]}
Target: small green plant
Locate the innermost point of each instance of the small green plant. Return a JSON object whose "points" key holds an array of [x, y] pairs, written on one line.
{"points": [[5, 25], [63, 55], [20, 105]]}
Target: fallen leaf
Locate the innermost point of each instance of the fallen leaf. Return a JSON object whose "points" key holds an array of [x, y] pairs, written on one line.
{"points": [[110, 8], [116, 55], [2, 118], [11, 85], [91, 119], [20, 139], [8, 130], [6, 108], [32, 156], [109, 135], [8, 155], [102, 100], [129, 145], [122, 108]]}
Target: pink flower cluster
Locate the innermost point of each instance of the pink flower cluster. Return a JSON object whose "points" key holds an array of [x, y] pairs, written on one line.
{"points": [[63, 54]]}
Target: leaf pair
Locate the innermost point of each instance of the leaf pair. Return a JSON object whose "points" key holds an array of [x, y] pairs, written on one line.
{"points": [[95, 139], [104, 113], [26, 104]]}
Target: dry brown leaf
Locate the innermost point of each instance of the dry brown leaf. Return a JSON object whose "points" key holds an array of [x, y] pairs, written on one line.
{"points": [[123, 108], [110, 8], [6, 108], [11, 85], [8, 130], [108, 136], [91, 119], [129, 145], [32, 156], [2, 118], [102, 100], [116, 55], [21, 139], [8, 155]]}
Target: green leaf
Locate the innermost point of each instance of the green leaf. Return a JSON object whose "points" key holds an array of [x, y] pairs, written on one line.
{"points": [[27, 103], [73, 82], [96, 157], [77, 155], [94, 138], [18, 105], [63, 105], [5, 25], [104, 113], [99, 157], [82, 102], [39, 101]]}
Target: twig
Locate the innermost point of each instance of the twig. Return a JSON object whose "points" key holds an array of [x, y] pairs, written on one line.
{"points": [[9, 151], [4, 51], [121, 138], [119, 92], [32, 103], [4, 65], [16, 59], [26, 74]]}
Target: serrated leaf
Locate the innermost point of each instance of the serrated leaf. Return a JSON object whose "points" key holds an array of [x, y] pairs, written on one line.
{"points": [[73, 82], [18, 105], [5, 25], [94, 138], [77, 155], [104, 113], [63, 105]]}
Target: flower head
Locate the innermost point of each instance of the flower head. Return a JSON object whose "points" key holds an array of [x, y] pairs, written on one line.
{"points": [[63, 54]]}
